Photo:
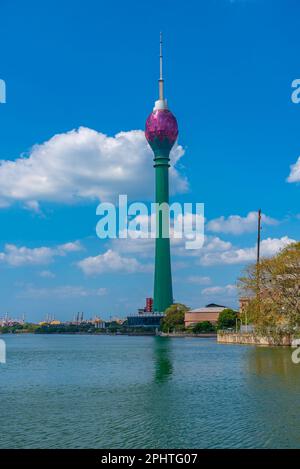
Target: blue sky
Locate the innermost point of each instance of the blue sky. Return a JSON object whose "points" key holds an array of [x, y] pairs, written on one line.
{"points": [[93, 66]]}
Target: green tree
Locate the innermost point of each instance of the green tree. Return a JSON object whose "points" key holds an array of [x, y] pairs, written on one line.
{"points": [[173, 319], [203, 327], [273, 290], [30, 327], [227, 319]]}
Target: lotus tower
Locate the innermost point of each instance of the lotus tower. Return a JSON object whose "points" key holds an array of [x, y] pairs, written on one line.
{"points": [[161, 133]]}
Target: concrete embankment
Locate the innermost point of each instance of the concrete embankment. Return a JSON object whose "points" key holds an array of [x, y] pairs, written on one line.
{"points": [[253, 339], [185, 334]]}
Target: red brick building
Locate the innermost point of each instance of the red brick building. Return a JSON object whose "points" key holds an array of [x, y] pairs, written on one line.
{"points": [[208, 313]]}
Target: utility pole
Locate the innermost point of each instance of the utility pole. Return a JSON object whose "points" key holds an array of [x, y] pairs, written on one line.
{"points": [[258, 257], [258, 236]]}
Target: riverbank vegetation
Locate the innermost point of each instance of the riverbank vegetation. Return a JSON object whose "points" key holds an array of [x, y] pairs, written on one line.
{"points": [[227, 319], [173, 322], [273, 292], [174, 318], [84, 328]]}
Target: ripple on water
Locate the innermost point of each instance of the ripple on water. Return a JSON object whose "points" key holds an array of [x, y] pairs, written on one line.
{"points": [[143, 392]]}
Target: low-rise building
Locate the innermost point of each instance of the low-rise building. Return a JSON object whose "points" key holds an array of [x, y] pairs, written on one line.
{"points": [[146, 320], [208, 313]]}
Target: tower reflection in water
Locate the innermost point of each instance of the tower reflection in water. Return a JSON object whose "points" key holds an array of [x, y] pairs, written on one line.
{"points": [[162, 359]]}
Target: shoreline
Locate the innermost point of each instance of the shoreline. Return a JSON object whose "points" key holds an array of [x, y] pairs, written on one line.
{"points": [[130, 334], [187, 335], [253, 339]]}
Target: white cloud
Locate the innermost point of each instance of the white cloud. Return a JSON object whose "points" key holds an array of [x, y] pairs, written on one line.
{"points": [[21, 256], [111, 261], [84, 164], [212, 244], [228, 290], [31, 205], [236, 225], [139, 241], [143, 247], [198, 280], [269, 247], [294, 175], [74, 246], [63, 291]]}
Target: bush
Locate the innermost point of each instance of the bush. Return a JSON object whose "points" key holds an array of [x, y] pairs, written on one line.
{"points": [[203, 327], [174, 318], [227, 319]]}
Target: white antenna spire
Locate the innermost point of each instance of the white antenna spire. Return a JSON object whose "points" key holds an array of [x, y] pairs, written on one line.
{"points": [[161, 103], [161, 80]]}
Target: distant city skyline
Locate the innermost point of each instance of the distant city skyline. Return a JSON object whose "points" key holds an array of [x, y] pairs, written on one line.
{"points": [[79, 85]]}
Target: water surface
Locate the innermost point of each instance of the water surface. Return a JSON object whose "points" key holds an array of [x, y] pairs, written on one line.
{"points": [[64, 391]]}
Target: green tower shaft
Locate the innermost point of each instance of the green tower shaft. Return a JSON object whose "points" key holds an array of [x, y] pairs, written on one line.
{"points": [[163, 294]]}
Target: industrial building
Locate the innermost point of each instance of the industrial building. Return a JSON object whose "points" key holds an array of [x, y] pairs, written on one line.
{"points": [[145, 317], [146, 320]]}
